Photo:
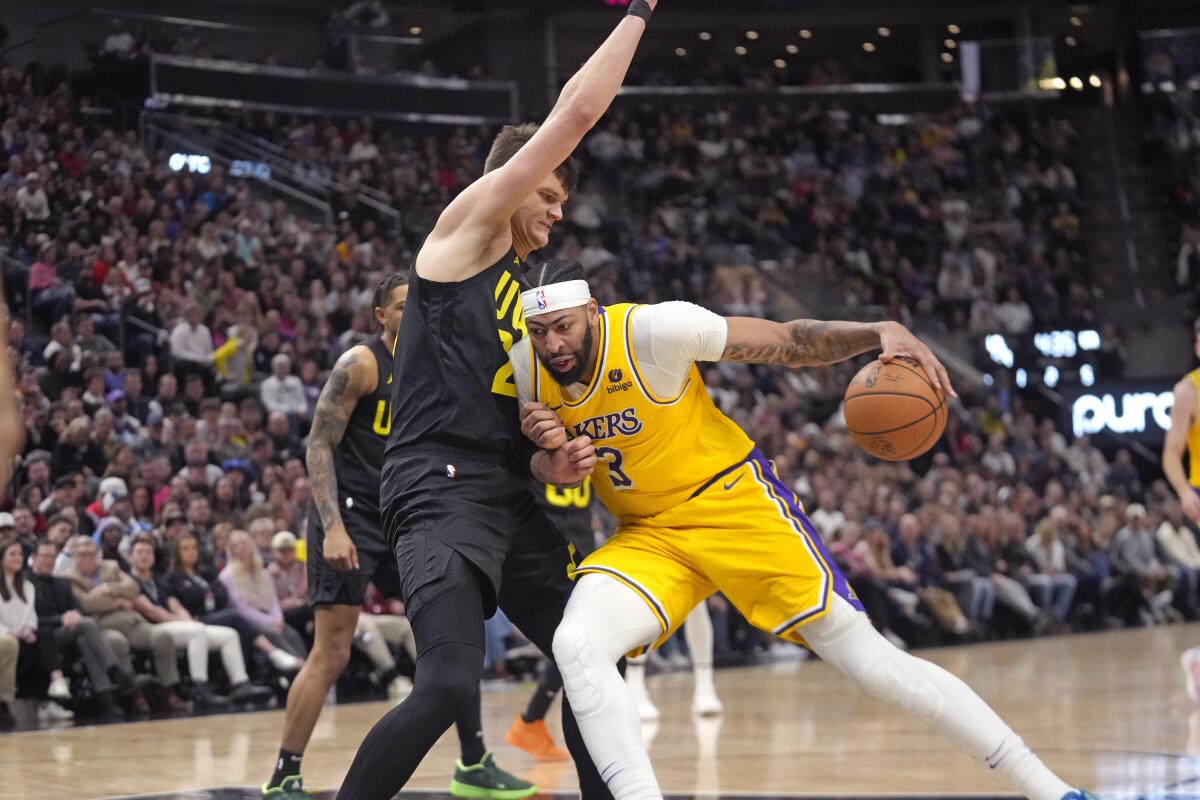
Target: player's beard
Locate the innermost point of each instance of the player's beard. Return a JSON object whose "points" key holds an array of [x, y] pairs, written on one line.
{"points": [[582, 358]]}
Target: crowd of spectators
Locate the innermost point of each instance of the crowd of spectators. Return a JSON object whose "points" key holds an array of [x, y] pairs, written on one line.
{"points": [[171, 332], [1172, 137]]}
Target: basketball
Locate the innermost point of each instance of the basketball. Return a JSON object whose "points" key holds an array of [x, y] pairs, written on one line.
{"points": [[893, 411]]}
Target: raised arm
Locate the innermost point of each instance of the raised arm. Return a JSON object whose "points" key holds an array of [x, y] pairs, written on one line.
{"points": [[354, 376], [810, 343], [1183, 416], [478, 218]]}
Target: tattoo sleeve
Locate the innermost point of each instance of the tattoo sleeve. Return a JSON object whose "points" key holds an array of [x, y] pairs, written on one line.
{"points": [[808, 343], [328, 427]]}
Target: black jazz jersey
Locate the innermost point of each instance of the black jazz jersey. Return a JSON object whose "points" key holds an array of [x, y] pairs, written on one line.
{"points": [[358, 458], [570, 509], [458, 394]]}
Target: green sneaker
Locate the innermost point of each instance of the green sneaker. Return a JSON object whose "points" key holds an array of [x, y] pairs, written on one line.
{"points": [[290, 788], [486, 780]]}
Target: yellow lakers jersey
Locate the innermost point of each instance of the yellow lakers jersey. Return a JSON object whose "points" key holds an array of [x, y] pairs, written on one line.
{"points": [[655, 452], [1193, 436]]}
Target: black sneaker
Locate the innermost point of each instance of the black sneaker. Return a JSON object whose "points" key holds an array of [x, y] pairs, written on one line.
{"points": [[7, 721], [204, 698], [247, 692], [486, 780]]}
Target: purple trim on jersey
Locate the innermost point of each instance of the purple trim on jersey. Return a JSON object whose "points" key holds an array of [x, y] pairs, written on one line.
{"points": [[840, 585]]}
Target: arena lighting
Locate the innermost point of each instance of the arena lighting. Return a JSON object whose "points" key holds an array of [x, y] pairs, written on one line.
{"points": [[950, 44], [1050, 376], [199, 164], [954, 29], [792, 49], [705, 36], [947, 58], [1139, 411], [680, 51], [780, 63], [752, 35], [1077, 22], [741, 51], [1059, 84], [885, 32], [805, 33], [1022, 379], [1077, 83], [869, 47], [1095, 81], [415, 30], [1070, 40], [1087, 375], [999, 350], [988, 380]]}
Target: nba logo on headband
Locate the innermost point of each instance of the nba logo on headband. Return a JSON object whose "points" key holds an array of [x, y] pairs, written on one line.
{"points": [[541, 299]]}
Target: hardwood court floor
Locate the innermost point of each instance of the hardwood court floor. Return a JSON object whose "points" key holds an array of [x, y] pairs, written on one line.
{"points": [[1107, 711]]}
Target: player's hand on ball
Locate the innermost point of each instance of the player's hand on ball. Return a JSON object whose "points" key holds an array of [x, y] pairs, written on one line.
{"points": [[1191, 506], [339, 551], [898, 341], [542, 425]]}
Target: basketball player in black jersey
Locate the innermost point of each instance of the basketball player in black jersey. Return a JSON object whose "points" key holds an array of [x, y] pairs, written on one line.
{"points": [[347, 549], [455, 491]]}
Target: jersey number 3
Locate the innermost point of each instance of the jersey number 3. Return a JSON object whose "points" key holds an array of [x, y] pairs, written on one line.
{"points": [[612, 457]]}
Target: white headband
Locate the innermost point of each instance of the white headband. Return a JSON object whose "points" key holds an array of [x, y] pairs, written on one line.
{"points": [[555, 297]]}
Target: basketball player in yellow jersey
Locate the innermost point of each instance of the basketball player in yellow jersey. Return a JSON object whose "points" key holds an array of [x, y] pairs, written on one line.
{"points": [[1184, 434], [12, 427], [702, 510]]}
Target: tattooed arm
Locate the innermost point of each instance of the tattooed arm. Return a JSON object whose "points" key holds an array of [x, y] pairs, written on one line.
{"points": [[810, 343], [353, 377]]}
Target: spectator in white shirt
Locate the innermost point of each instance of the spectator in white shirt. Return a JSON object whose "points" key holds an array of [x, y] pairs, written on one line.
{"points": [[1178, 543], [1014, 313], [120, 42], [192, 343], [32, 200], [283, 391]]}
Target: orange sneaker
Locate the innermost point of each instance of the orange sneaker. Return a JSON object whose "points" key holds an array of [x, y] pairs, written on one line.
{"points": [[533, 738]]}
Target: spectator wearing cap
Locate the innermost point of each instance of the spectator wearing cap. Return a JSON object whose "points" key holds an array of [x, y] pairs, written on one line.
{"points": [[8, 526], [290, 577], [283, 391], [192, 344], [31, 198], [252, 594], [1136, 553]]}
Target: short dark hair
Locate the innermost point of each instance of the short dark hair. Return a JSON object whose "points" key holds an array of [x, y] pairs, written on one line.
{"points": [[45, 543], [383, 292], [59, 519], [512, 138], [555, 270], [144, 538]]}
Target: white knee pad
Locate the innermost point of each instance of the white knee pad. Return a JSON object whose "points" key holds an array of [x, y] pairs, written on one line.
{"points": [[577, 661]]}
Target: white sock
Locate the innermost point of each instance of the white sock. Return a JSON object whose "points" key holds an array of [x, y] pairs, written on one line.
{"points": [[845, 638], [698, 633], [604, 620]]}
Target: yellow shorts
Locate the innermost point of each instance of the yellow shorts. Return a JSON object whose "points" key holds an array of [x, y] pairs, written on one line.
{"points": [[745, 536]]}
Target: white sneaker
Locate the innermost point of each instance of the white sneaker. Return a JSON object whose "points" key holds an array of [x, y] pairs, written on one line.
{"points": [[400, 688], [705, 702], [645, 706], [59, 690], [285, 661], [53, 712], [679, 661]]}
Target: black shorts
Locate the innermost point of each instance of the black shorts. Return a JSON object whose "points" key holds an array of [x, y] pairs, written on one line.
{"points": [[376, 563], [435, 505]]}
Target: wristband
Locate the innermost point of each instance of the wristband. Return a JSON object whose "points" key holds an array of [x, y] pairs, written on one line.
{"points": [[639, 8]]}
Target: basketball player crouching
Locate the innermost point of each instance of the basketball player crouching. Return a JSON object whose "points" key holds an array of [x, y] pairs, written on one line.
{"points": [[702, 510]]}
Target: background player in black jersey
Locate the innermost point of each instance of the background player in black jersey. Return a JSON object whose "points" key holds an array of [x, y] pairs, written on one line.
{"points": [[347, 550], [455, 489]]}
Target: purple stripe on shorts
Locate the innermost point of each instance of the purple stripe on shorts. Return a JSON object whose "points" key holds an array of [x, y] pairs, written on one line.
{"points": [[840, 585]]}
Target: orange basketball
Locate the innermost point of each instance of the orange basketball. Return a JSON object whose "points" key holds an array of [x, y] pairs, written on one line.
{"points": [[893, 411]]}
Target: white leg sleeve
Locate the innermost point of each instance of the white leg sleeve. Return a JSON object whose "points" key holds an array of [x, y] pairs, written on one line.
{"points": [[698, 632], [604, 620], [844, 638], [225, 640]]}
